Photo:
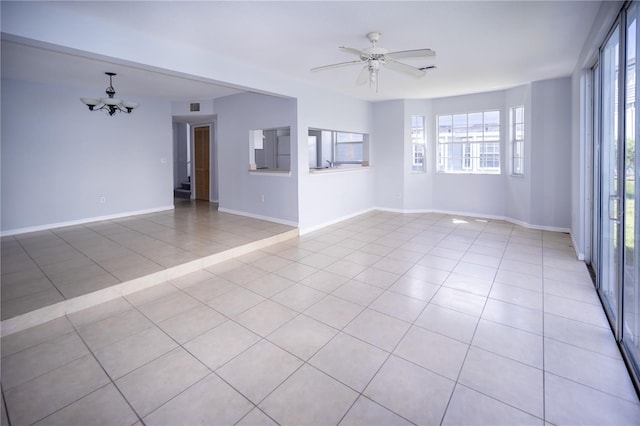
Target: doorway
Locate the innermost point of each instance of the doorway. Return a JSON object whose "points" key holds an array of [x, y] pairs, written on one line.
{"points": [[202, 161]]}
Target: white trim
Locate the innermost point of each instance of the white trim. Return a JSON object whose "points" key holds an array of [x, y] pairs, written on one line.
{"points": [[304, 231], [480, 216], [266, 172], [579, 255], [258, 216], [82, 221]]}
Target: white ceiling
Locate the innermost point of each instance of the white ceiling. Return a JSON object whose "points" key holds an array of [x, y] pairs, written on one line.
{"points": [[480, 45]]}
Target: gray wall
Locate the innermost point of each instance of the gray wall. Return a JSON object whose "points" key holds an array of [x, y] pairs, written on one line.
{"points": [[240, 190], [59, 159]]}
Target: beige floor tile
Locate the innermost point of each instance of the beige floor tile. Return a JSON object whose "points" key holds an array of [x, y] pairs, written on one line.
{"points": [[581, 292], [575, 310], [459, 301], [569, 403], [414, 288], [54, 390], [309, 397], [334, 311], [318, 260], [259, 370], [580, 334], [271, 263], [485, 273], [206, 290], [358, 292], [256, 417], [378, 329], [510, 342], [470, 407], [349, 360], [302, 336], [155, 383], [419, 396], [209, 401], [377, 277], [363, 258], [128, 354], [145, 296], [513, 315], [519, 279], [192, 323], [365, 412], [398, 306], [104, 406], [448, 322], [99, 312], [235, 301], [33, 336], [517, 296], [219, 345], [265, 317], [433, 351], [428, 274], [298, 297], [511, 382], [438, 262], [269, 285], [168, 306], [588, 368], [468, 283], [324, 281], [37, 360], [296, 271], [114, 328]]}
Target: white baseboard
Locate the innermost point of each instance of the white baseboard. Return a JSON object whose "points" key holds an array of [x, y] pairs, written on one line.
{"points": [[257, 216], [334, 221], [83, 221], [579, 254]]}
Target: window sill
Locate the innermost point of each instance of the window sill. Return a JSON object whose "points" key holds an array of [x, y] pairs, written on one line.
{"points": [[339, 169], [270, 172]]}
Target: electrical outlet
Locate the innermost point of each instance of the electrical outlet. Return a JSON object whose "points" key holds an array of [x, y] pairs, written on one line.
{"points": [[103, 199]]}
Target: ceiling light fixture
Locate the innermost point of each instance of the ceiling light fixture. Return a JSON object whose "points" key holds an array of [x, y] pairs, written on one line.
{"points": [[110, 104]]}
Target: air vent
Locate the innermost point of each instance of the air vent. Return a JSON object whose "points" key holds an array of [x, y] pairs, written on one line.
{"points": [[194, 107]]}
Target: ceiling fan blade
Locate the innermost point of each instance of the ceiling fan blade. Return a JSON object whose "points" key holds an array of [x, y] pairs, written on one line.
{"points": [[354, 51], [363, 77], [341, 64], [404, 68], [415, 53]]}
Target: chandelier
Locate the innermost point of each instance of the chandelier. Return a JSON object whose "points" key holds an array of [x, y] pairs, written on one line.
{"points": [[110, 104]]}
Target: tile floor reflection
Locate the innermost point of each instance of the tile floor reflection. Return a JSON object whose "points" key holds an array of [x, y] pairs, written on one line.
{"points": [[381, 319]]}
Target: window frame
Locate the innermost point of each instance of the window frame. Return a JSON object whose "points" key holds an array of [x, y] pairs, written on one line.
{"points": [[418, 144], [517, 140], [475, 142]]}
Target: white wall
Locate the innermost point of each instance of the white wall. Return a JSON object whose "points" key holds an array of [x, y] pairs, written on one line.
{"points": [[480, 194], [239, 190], [328, 197], [58, 158], [389, 129], [551, 153]]}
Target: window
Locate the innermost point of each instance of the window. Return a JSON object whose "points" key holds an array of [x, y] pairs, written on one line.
{"points": [[329, 148], [270, 149], [417, 143], [469, 143], [517, 141]]}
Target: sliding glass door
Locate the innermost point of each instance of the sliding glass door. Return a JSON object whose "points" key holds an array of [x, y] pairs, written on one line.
{"points": [[615, 259], [610, 235], [630, 285]]}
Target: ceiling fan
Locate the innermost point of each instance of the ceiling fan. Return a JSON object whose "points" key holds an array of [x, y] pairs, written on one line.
{"points": [[374, 58]]}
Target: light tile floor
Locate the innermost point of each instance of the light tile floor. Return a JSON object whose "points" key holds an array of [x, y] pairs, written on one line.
{"points": [[42, 268], [382, 319]]}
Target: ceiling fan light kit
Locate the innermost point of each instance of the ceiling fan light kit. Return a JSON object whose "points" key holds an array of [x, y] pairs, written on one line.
{"points": [[110, 104], [374, 58]]}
